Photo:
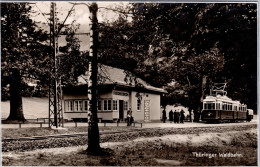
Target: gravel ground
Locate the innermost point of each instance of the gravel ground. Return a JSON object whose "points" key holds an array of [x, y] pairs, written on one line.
{"points": [[21, 146]]}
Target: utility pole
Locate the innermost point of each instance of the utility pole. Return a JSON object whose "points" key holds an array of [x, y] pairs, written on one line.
{"points": [[93, 131], [55, 103]]}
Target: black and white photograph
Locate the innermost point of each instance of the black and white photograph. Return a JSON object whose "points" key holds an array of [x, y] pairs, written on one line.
{"points": [[130, 83]]}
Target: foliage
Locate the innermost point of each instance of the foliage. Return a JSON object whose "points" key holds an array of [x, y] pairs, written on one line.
{"points": [[193, 45], [73, 62], [24, 44]]}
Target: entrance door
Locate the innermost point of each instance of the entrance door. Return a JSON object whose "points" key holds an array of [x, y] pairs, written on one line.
{"points": [[121, 110]]}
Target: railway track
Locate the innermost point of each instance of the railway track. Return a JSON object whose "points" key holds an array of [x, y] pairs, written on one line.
{"points": [[101, 133], [67, 135], [77, 139]]}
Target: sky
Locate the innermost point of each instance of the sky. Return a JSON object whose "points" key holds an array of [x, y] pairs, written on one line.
{"points": [[80, 15]]}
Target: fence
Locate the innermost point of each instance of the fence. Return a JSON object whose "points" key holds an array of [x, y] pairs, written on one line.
{"points": [[44, 122]]}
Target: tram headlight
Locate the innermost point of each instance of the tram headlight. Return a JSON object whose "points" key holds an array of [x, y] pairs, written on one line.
{"points": [[210, 114]]}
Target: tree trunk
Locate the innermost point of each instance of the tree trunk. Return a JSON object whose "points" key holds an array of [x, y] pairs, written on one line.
{"points": [[16, 107], [203, 85], [93, 131]]}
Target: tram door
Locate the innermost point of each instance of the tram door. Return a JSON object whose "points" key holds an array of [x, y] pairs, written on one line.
{"points": [[121, 110]]}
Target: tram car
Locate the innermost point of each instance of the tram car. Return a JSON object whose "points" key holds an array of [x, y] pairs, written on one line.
{"points": [[217, 107]]}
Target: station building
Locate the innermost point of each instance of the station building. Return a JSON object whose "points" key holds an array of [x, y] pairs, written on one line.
{"points": [[117, 95]]}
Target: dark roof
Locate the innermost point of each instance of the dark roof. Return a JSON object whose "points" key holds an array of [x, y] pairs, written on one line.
{"points": [[112, 75], [75, 90]]}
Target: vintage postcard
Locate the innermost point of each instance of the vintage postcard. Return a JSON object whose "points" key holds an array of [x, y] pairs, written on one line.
{"points": [[129, 83]]}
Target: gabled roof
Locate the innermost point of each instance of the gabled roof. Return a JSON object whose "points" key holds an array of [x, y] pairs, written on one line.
{"points": [[112, 75]]}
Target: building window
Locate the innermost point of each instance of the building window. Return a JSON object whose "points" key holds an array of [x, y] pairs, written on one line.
{"points": [[115, 105], [138, 104], [77, 105], [85, 105], [99, 105], [107, 105], [125, 105], [69, 106]]}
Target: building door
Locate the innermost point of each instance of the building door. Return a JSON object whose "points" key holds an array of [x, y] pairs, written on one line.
{"points": [[121, 110], [147, 110]]}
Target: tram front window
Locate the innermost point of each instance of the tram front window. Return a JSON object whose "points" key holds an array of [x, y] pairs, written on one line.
{"points": [[209, 106]]}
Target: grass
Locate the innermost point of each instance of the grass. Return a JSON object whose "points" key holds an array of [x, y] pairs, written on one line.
{"points": [[36, 131], [154, 152], [147, 154]]}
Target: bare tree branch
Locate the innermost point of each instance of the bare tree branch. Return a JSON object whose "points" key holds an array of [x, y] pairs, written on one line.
{"points": [[62, 25]]}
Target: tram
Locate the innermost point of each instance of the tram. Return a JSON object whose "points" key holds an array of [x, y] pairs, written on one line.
{"points": [[217, 107]]}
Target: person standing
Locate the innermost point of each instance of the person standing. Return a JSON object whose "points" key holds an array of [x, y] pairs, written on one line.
{"points": [[175, 116], [164, 115], [171, 116], [129, 117], [182, 116], [192, 116], [178, 116]]}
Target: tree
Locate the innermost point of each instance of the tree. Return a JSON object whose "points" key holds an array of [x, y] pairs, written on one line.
{"points": [[198, 29], [24, 50], [192, 44], [93, 131], [73, 62]]}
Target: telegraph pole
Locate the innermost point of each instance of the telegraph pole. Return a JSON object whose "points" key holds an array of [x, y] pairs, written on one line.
{"points": [[55, 103]]}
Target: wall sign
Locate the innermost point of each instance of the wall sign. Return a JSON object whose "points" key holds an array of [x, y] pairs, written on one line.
{"points": [[121, 93]]}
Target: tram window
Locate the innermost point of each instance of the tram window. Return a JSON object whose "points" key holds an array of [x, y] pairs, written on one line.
{"points": [[212, 106], [218, 106], [209, 106], [229, 106], [224, 106]]}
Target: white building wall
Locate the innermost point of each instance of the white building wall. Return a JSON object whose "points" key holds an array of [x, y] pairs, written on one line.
{"points": [[155, 105], [153, 102], [138, 115], [105, 115], [106, 95]]}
